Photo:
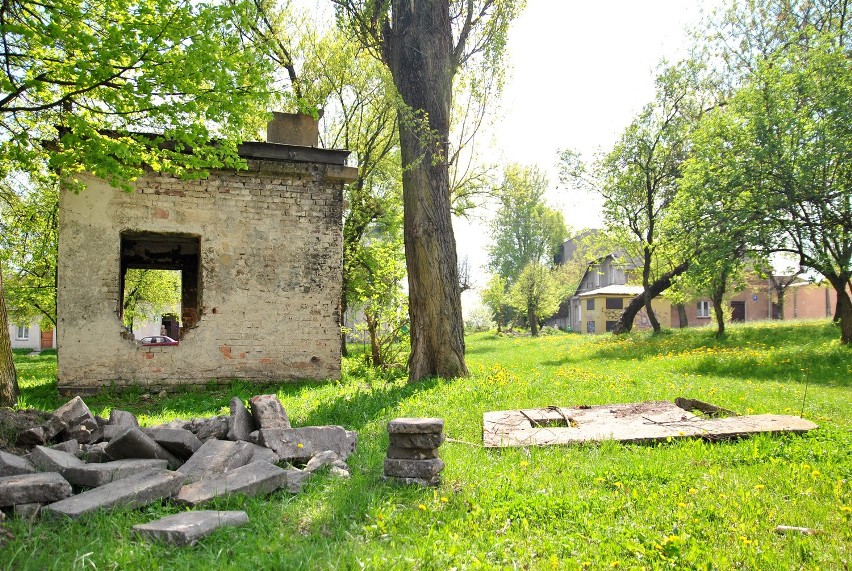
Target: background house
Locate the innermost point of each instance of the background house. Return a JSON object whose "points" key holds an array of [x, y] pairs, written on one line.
{"points": [[31, 336]]}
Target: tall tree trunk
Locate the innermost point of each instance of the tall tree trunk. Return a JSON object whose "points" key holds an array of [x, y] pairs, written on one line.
{"points": [[418, 50], [843, 312], [8, 375], [533, 322], [681, 316], [719, 310], [625, 322], [646, 282]]}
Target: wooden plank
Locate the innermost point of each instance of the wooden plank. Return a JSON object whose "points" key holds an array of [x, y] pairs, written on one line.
{"points": [[633, 422]]}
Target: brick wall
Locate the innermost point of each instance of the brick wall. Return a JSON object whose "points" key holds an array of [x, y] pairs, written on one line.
{"points": [[270, 277]]}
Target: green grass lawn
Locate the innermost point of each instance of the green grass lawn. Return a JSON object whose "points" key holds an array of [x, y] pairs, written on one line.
{"points": [[673, 505]]}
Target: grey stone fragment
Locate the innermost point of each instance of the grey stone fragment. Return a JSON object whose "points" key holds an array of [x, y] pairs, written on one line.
{"points": [[54, 426], [75, 412], [324, 458], [213, 427], [107, 432], [94, 475], [240, 423], [186, 528], [27, 511], [180, 442], [134, 491], [416, 426], [94, 453], [33, 488], [177, 423], [101, 420], [69, 446], [32, 436], [301, 444], [80, 434], [12, 465], [262, 454], [216, 457], [412, 453], [421, 469], [252, 480], [49, 460], [133, 443], [431, 482], [339, 471], [268, 412], [122, 418], [424, 441], [295, 480]]}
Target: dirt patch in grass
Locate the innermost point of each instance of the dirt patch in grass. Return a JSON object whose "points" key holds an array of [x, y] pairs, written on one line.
{"points": [[14, 422]]}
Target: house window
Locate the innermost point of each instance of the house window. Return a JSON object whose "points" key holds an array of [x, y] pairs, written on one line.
{"points": [[590, 327], [171, 262], [614, 303], [610, 325], [23, 333], [703, 309], [590, 304]]}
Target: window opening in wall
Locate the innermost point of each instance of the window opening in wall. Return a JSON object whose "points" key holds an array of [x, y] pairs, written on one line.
{"points": [[23, 333], [590, 304], [160, 284], [610, 326], [615, 303], [590, 327], [703, 309]]}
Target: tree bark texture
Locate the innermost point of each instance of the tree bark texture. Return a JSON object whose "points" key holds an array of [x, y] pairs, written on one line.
{"points": [[625, 322], [418, 50], [646, 280], [682, 317], [533, 323], [843, 311], [8, 375], [719, 310]]}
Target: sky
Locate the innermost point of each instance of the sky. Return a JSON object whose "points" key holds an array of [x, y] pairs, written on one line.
{"points": [[579, 71]]}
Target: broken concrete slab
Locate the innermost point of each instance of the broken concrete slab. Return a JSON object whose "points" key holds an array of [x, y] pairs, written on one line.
{"points": [[216, 457], [188, 527], [412, 453], [94, 453], [416, 426], [634, 422], [254, 479], [133, 443], [324, 458], [262, 454], [240, 423], [134, 491], [49, 460], [107, 432], [80, 434], [180, 442], [75, 412], [422, 441], [122, 418], [213, 427], [69, 446], [95, 475], [12, 465], [301, 444], [32, 436], [418, 469], [268, 412], [33, 488]]}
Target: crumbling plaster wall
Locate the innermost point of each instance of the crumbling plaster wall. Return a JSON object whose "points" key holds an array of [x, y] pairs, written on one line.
{"points": [[270, 277]]}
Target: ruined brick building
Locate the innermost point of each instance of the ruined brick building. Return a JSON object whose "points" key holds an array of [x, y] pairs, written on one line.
{"points": [[260, 256]]}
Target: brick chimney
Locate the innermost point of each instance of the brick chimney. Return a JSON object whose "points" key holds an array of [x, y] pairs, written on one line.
{"points": [[293, 129]]}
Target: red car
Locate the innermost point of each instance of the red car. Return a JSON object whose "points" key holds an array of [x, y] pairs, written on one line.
{"points": [[158, 341]]}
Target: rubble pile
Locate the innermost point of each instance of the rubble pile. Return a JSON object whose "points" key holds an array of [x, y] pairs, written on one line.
{"points": [[80, 463]]}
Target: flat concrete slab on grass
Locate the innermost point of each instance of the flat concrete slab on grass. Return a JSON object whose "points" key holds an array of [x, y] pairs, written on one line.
{"points": [[95, 475], [188, 527], [179, 441], [258, 478], [50, 460], [302, 444], [416, 426], [634, 422], [134, 491], [33, 488]]}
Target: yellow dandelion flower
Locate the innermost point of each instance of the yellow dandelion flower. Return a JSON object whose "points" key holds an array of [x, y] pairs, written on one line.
{"points": [[444, 499], [524, 463], [300, 445], [759, 486], [422, 507], [693, 491]]}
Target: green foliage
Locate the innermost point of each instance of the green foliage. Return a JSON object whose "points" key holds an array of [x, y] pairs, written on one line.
{"points": [[84, 76], [525, 230], [535, 294], [28, 249], [148, 294], [678, 504]]}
